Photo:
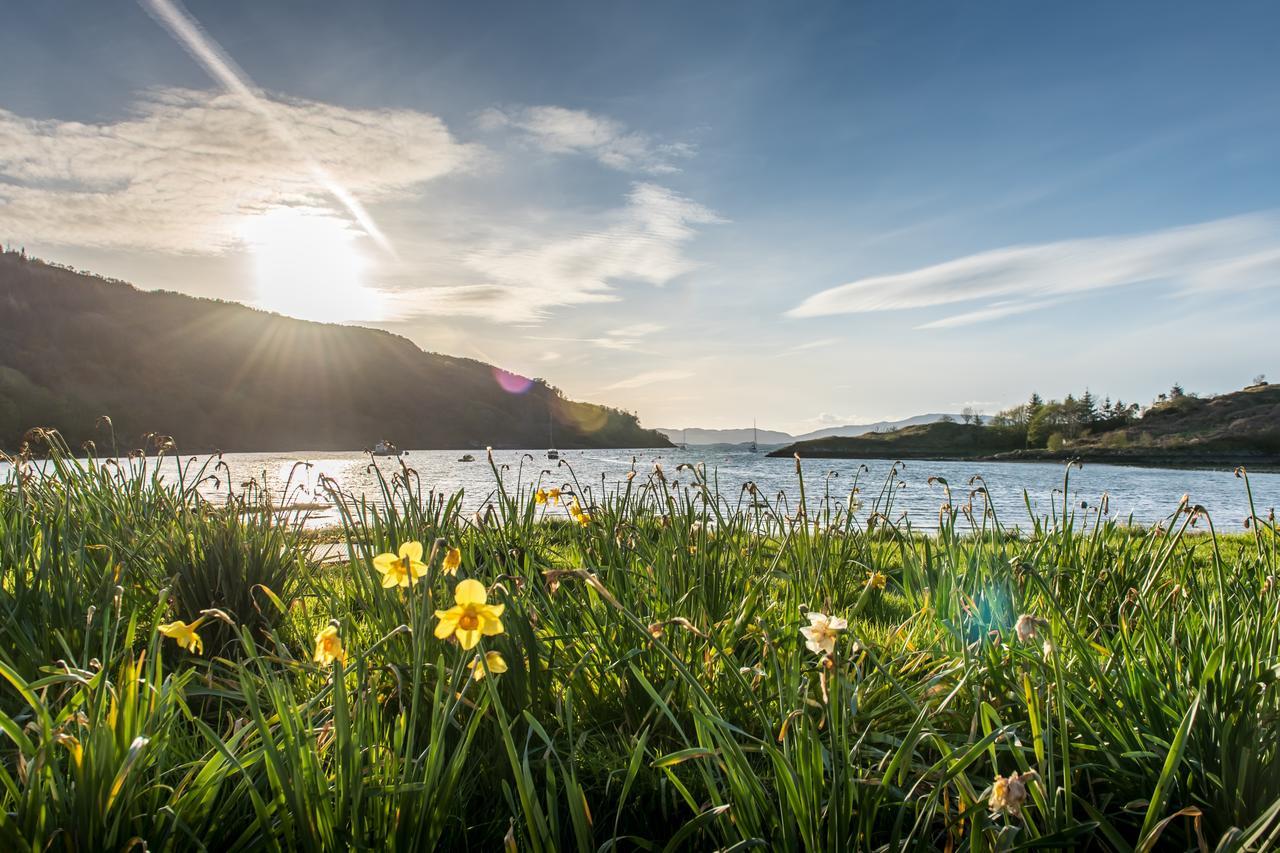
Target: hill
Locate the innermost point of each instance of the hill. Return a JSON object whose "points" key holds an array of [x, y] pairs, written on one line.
{"points": [[1236, 428], [219, 375], [938, 440]]}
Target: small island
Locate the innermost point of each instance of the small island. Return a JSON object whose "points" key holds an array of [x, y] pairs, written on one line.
{"points": [[1177, 430]]}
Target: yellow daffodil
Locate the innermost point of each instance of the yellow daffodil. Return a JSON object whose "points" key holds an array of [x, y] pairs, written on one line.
{"points": [[822, 632], [329, 646], [452, 561], [540, 496], [579, 514], [184, 634], [553, 495], [876, 580], [496, 663], [470, 617], [401, 569]]}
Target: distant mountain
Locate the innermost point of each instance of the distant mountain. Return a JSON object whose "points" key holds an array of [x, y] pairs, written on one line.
{"points": [[699, 437], [218, 375], [767, 437]]}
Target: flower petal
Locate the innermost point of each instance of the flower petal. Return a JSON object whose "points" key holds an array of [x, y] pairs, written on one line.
{"points": [[468, 639], [448, 622], [470, 591], [412, 550], [384, 562]]}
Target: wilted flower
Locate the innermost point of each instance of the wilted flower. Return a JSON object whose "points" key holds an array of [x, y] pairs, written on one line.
{"points": [[452, 560], [496, 663], [401, 569], [470, 617], [1009, 793], [329, 646], [822, 632], [1026, 627], [184, 634], [876, 580]]}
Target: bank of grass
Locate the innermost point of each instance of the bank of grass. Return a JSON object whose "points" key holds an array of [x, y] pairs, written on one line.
{"points": [[659, 693]]}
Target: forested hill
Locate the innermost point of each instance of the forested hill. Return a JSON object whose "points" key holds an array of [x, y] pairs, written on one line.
{"points": [[218, 375]]}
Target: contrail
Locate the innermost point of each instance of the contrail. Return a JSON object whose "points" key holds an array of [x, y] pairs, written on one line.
{"points": [[222, 68]]}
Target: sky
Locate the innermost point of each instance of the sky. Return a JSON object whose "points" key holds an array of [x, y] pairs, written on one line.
{"points": [[705, 213]]}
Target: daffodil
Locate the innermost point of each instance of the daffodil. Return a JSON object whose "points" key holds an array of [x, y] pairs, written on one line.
{"points": [[1009, 793], [822, 632], [540, 496], [876, 580], [403, 568], [495, 662], [1026, 627], [579, 514], [452, 560], [471, 616], [553, 495], [329, 646], [184, 634]]}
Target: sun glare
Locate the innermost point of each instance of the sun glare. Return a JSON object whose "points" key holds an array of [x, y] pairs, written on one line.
{"points": [[307, 265]]}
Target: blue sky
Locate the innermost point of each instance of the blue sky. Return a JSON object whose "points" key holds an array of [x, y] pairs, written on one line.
{"points": [[806, 214]]}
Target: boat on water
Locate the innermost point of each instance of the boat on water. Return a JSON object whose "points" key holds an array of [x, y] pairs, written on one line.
{"points": [[551, 436], [466, 457], [385, 448]]}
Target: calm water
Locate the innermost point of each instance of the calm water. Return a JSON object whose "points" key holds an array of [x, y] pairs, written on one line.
{"points": [[1146, 494]]}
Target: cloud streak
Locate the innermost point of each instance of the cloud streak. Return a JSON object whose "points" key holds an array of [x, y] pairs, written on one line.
{"points": [[558, 130], [652, 377], [1237, 253]]}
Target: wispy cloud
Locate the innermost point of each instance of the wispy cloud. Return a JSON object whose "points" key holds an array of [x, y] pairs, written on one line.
{"points": [[522, 276], [625, 338], [564, 131], [651, 377], [182, 172], [1236, 253], [821, 343]]}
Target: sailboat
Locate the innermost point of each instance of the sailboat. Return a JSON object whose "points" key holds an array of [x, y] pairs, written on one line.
{"points": [[684, 440], [755, 447], [551, 436]]}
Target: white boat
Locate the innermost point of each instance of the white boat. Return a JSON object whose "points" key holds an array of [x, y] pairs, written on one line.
{"points": [[385, 448]]}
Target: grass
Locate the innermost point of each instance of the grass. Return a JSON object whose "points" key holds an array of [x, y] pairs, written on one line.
{"points": [[659, 694]]}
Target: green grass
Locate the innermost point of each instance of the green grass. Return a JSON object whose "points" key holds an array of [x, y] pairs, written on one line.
{"points": [[659, 693]]}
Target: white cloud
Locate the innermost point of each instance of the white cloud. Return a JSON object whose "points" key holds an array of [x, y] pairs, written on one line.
{"points": [[625, 338], [994, 311], [519, 277], [564, 131], [652, 377], [181, 172], [1235, 253]]}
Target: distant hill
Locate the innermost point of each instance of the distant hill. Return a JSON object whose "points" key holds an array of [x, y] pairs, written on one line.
{"points": [[218, 375], [768, 437], [1237, 428], [938, 440]]}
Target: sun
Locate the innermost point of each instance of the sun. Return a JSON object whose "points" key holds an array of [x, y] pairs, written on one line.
{"points": [[307, 264]]}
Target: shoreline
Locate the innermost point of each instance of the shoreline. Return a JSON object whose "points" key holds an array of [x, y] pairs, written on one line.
{"points": [[1265, 464]]}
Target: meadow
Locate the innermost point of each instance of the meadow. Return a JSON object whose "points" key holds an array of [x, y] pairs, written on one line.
{"points": [[664, 666]]}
